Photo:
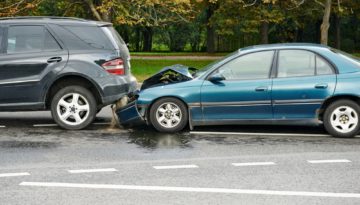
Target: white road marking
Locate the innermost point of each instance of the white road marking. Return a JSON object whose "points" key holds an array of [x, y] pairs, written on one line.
{"points": [[329, 161], [2, 126], [190, 166], [192, 189], [92, 170], [258, 134], [45, 125], [253, 164], [14, 174]]}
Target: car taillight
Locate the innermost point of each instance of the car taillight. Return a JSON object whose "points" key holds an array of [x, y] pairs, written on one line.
{"points": [[115, 66]]}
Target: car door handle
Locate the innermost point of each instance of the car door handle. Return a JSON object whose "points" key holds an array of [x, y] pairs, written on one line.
{"points": [[321, 86], [54, 60], [261, 89]]}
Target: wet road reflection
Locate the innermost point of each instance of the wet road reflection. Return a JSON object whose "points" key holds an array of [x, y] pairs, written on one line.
{"points": [[148, 139], [152, 139], [28, 144]]}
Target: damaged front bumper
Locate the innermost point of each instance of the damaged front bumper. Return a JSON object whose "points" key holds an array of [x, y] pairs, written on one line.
{"points": [[132, 114], [136, 114]]}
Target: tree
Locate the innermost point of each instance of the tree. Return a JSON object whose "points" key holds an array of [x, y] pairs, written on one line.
{"points": [[324, 29], [149, 14], [18, 7]]}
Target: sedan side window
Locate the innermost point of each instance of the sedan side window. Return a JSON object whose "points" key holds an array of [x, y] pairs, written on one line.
{"points": [[323, 67], [25, 39], [296, 63], [251, 66]]}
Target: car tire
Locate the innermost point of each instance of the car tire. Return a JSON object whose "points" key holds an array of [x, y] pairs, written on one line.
{"points": [[342, 119], [169, 115], [72, 114]]}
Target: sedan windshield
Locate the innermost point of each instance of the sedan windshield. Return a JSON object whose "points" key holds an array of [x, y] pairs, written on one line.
{"points": [[213, 64]]}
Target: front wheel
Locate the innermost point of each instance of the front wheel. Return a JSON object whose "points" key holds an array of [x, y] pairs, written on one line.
{"points": [[341, 119], [73, 107], [168, 115]]}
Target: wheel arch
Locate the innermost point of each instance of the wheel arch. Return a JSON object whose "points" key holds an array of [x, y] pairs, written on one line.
{"points": [[72, 79], [332, 99]]}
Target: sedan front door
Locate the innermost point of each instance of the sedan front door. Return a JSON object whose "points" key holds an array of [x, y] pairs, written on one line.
{"points": [[244, 93]]}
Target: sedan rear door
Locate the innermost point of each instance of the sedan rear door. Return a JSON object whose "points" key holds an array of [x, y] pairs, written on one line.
{"points": [[304, 80]]}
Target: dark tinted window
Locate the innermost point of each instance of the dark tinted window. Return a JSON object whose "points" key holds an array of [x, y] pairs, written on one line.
{"points": [[296, 63], [22, 39], [93, 36], [323, 67], [1, 36], [114, 35], [250, 66], [49, 42]]}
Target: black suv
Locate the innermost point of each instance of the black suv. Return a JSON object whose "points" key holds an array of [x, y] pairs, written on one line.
{"points": [[70, 66]]}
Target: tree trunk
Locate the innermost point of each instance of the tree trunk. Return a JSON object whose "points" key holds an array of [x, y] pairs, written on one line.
{"points": [[300, 35], [264, 32], [210, 39], [93, 10], [325, 23], [106, 16], [337, 32], [147, 34], [137, 39]]}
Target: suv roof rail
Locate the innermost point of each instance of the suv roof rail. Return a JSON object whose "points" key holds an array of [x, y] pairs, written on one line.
{"points": [[42, 17]]}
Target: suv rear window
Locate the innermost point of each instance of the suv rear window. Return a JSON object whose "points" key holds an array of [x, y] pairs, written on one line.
{"points": [[1, 37], [24, 39], [91, 35], [114, 35]]}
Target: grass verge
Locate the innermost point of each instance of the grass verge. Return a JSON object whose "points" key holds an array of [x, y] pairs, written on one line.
{"points": [[143, 69]]}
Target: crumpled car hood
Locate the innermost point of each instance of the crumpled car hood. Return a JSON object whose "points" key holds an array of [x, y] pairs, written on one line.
{"points": [[169, 75]]}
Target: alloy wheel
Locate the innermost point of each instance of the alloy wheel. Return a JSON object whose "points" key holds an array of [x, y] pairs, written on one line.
{"points": [[168, 115], [344, 119], [73, 109]]}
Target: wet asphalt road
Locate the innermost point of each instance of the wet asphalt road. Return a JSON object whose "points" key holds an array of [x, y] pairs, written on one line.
{"points": [[101, 165]]}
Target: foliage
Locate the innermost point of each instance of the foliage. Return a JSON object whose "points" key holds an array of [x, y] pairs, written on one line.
{"points": [[147, 12], [195, 25], [18, 7]]}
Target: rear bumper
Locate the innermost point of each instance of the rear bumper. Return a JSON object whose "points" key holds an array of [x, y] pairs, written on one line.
{"points": [[115, 90]]}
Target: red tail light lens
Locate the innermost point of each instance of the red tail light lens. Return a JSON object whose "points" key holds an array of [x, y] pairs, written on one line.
{"points": [[115, 66]]}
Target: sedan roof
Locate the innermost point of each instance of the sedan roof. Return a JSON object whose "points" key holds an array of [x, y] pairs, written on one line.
{"points": [[283, 46]]}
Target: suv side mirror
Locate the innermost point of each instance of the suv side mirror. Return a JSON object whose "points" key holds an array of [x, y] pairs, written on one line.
{"points": [[216, 78]]}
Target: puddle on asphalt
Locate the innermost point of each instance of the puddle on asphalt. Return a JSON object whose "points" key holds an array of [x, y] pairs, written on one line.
{"points": [[153, 140]]}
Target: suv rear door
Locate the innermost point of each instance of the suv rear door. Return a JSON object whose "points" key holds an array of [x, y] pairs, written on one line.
{"points": [[31, 56]]}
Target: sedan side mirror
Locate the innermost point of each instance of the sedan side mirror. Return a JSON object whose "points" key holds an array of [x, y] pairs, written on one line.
{"points": [[216, 78]]}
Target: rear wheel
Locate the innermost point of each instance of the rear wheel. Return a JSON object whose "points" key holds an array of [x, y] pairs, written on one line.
{"points": [[341, 118], [73, 107], [168, 115]]}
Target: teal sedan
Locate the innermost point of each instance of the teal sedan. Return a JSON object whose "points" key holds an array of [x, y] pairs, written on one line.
{"points": [[302, 84]]}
